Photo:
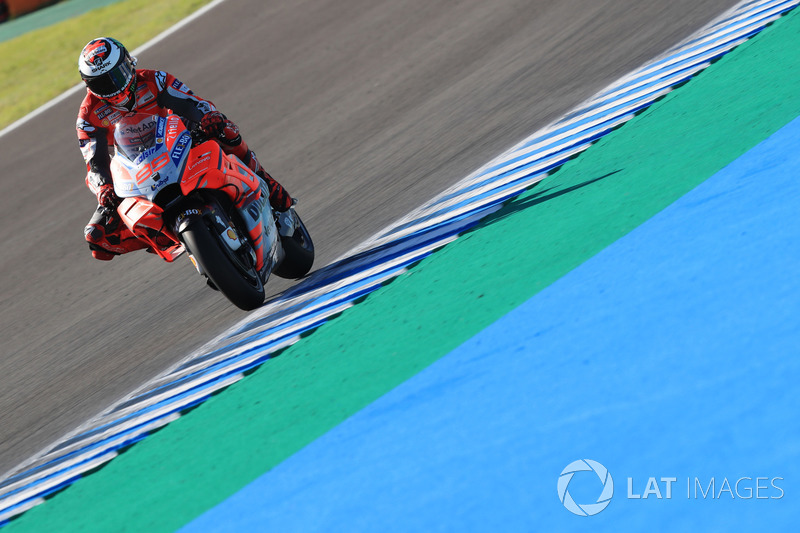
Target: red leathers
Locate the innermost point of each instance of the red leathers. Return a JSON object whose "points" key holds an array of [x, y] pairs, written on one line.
{"points": [[156, 92]]}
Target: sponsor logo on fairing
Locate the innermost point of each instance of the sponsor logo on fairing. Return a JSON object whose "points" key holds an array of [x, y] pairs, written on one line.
{"points": [[180, 148], [160, 128], [158, 184], [173, 127], [203, 159], [138, 129], [144, 155]]}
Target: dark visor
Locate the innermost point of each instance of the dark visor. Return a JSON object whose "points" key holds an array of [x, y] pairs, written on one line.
{"points": [[112, 82]]}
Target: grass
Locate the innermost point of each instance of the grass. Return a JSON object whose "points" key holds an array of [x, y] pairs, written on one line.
{"points": [[42, 64]]}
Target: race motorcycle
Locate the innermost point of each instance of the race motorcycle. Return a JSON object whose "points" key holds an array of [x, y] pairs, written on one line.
{"points": [[181, 192]]}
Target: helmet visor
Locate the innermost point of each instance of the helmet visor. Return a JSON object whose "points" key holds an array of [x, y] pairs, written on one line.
{"points": [[112, 82]]}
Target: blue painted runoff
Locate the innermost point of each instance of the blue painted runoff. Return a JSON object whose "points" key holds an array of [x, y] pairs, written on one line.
{"points": [[670, 358]]}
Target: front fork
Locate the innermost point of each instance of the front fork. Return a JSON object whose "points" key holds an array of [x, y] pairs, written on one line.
{"points": [[259, 237]]}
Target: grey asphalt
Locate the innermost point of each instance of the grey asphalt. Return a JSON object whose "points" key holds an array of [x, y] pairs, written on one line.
{"points": [[364, 109]]}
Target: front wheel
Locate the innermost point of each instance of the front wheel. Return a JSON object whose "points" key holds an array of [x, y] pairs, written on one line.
{"points": [[239, 282]]}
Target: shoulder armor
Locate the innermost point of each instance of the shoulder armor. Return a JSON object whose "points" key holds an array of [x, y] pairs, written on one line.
{"points": [[161, 79]]}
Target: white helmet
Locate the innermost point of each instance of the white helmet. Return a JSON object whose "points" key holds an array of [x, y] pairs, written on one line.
{"points": [[109, 72]]}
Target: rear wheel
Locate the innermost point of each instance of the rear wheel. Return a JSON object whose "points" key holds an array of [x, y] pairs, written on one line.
{"points": [[298, 253], [233, 274]]}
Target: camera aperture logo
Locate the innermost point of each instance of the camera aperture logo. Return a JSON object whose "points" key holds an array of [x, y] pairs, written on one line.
{"points": [[585, 509]]}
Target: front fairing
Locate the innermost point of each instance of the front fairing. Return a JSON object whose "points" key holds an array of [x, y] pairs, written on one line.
{"points": [[150, 153]]}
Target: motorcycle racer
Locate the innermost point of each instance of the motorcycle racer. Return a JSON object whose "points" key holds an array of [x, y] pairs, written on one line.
{"points": [[114, 86]]}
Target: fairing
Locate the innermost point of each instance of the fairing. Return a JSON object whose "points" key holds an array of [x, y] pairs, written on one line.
{"points": [[149, 153], [154, 152]]}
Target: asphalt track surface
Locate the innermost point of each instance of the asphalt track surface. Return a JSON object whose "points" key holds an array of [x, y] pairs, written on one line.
{"points": [[363, 109]]}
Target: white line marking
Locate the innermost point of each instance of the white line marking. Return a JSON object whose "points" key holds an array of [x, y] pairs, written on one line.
{"points": [[79, 87]]}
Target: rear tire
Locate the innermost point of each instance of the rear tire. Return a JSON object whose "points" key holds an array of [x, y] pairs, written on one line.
{"points": [[242, 287], [298, 253]]}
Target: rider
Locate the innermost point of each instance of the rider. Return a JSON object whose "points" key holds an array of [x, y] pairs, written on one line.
{"points": [[114, 87]]}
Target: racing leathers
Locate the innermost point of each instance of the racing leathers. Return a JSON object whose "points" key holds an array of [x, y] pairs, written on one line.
{"points": [[157, 93]]}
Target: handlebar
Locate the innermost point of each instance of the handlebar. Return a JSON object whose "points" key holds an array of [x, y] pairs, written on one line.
{"points": [[198, 136]]}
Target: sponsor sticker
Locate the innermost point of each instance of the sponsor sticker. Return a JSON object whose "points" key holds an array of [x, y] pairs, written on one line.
{"points": [[187, 213], [100, 67], [96, 52], [144, 155], [138, 129], [158, 184], [173, 126], [145, 98], [160, 128], [180, 148], [201, 160]]}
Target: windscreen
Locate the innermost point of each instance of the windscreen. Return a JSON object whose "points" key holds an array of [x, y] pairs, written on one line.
{"points": [[134, 134]]}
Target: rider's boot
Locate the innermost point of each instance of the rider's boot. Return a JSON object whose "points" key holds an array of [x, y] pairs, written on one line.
{"points": [[230, 139], [108, 237], [279, 198], [286, 221], [282, 203]]}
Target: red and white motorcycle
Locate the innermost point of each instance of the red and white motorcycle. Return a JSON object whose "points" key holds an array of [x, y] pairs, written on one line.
{"points": [[181, 192]]}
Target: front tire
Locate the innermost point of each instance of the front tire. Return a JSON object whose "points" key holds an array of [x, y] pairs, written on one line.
{"points": [[241, 285]]}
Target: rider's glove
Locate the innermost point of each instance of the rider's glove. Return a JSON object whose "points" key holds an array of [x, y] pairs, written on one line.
{"points": [[106, 196], [217, 126]]}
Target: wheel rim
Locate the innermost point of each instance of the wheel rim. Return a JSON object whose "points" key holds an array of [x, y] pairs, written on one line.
{"points": [[241, 259]]}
